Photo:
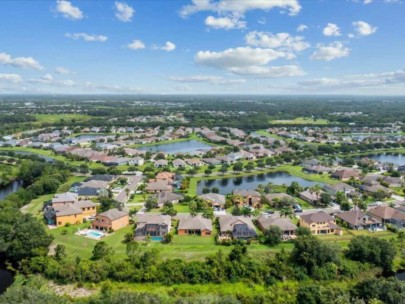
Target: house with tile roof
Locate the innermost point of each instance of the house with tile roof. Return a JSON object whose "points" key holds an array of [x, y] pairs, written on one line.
{"points": [[195, 225], [320, 223], [111, 220]]}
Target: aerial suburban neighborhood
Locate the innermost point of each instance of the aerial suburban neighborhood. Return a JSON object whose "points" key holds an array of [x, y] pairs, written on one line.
{"points": [[202, 152]]}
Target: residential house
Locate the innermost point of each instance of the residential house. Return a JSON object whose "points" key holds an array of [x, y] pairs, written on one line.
{"points": [[111, 220], [340, 187], [249, 198], [136, 161], [167, 176], [194, 162], [237, 227], [195, 225], [179, 163], [358, 220], [317, 169], [168, 197], [388, 215], [156, 186], [346, 174], [320, 223], [286, 226], [373, 188], [155, 225], [65, 209], [311, 197], [161, 163], [216, 200], [279, 196]]}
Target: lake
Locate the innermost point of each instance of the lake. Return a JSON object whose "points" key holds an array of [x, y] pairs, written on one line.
{"points": [[227, 185], [188, 146], [46, 158], [398, 159], [6, 278], [10, 188]]}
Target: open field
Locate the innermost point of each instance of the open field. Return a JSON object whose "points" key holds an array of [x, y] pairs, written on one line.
{"points": [[54, 118], [301, 121]]}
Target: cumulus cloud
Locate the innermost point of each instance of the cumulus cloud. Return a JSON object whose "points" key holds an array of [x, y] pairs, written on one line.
{"points": [[226, 23], [168, 47], [239, 7], [363, 28], [13, 78], [248, 61], [302, 27], [62, 70], [123, 11], [367, 2], [136, 45], [282, 41], [67, 10], [20, 62], [216, 80], [87, 37], [330, 51], [331, 29]]}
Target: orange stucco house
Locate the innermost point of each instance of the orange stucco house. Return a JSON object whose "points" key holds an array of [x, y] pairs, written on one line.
{"points": [[112, 219]]}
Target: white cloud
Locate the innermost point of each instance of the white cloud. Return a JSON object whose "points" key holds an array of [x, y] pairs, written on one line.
{"points": [[87, 37], [168, 47], [283, 41], [248, 61], [136, 45], [20, 62], [363, 28], [68, 10], [13, 78], [226, 23], [367, 2], [302, 27], [62, 71], [239, 7], [124, 12], [378, 80], [330, 51], [331, 29], [216, 80]]}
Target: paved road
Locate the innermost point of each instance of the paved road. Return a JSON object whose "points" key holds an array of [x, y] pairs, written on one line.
{"points": [[133, 183]]}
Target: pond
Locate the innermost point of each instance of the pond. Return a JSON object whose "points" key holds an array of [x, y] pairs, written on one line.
{"points": [[10, 188], [227, 185], [397, 159], [46, 158], [189, 146], [6, 278], [401, 275]]}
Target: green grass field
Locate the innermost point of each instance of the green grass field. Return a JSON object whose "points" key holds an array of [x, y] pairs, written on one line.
{"points": [[53, 118], [301, 121]]}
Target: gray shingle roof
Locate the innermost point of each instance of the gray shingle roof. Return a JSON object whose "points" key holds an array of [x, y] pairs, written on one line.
{"points": [[195, 223], [113, 214]]}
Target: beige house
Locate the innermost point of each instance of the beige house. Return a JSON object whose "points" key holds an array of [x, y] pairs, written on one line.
{"points": [[320, 223]]}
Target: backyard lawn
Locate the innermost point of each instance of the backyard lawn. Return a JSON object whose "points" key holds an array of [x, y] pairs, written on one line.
{"points": [[301, 121]]}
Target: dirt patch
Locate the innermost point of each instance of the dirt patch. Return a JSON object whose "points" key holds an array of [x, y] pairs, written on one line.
{"points": [[71, 290]]}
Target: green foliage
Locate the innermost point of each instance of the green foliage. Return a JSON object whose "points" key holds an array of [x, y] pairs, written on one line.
{"points": [[376, 251], [272, 236], [101, 251]]}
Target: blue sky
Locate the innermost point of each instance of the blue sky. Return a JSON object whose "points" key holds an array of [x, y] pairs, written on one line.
{"points": [[203, 46]]}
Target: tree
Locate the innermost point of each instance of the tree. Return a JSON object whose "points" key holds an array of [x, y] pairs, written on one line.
{"points": [[249, 166], [294, 189], [101, 250], [389, 291], [312, 253], [326, 199], [286, 212], [21, 235], [272, 236], [208, 213], [302, 231], [372, 250], [151, 203], [60, 252], [238, 167], [208, 172]]}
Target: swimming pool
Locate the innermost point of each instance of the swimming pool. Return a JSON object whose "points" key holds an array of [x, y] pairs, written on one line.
{"points": [[94, 234], [156, 238]]}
